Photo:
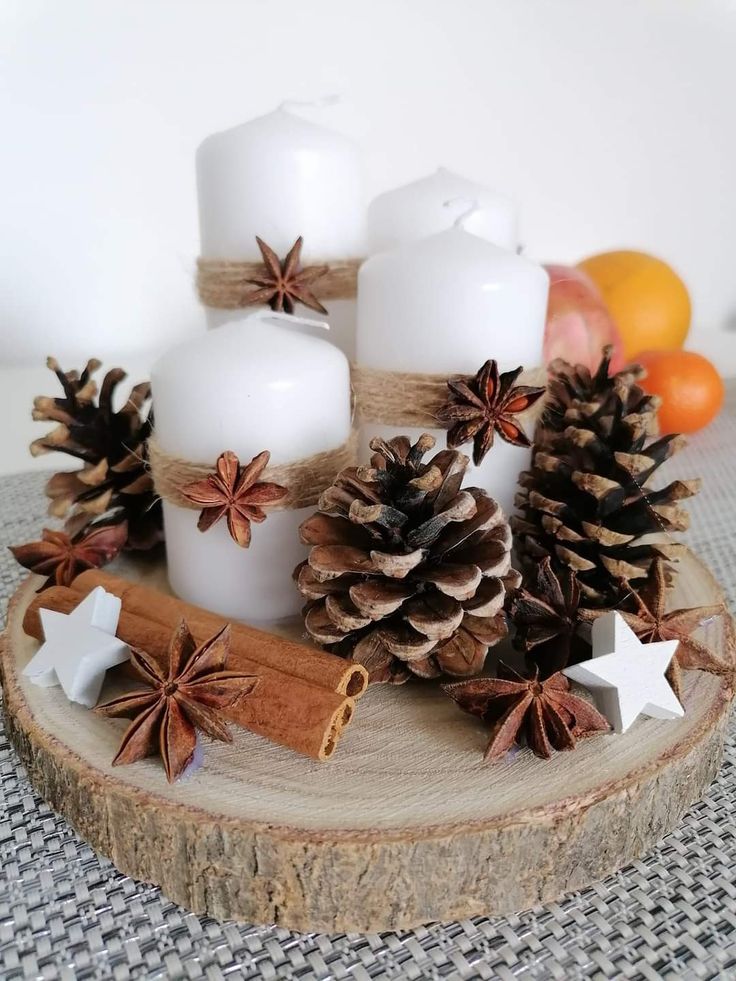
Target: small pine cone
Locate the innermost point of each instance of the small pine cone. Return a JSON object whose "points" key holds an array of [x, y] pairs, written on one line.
{"points": [[114, 480], [407, 572], [588, 501]]}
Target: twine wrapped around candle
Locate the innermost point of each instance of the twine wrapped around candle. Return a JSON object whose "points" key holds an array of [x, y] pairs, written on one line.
{"points": [[228, 284], [304, 479], [407, 398]]}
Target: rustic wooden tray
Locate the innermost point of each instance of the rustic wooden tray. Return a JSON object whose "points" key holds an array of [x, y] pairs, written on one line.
{"points": [[406, 824]]}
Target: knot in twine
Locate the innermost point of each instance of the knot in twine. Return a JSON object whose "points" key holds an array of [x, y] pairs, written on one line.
{"points": [[228, 284], [304, 479], [406, 398]]}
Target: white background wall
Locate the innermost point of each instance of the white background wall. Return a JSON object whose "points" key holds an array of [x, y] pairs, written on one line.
{"points": [[610, 121]]}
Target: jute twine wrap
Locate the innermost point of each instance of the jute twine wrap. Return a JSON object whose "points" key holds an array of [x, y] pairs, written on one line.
{"points": [[304, 479], [406, 398], [226, 284]]}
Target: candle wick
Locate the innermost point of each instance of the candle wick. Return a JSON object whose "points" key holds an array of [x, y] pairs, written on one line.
{"points": [[323, 101], [472, 208]]}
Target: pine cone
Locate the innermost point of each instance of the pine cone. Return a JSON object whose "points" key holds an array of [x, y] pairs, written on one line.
{"points": [[114, 480], [587, 501], [407, 573]]}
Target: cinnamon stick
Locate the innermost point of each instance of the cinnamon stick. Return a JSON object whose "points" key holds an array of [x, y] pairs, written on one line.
{"points": [[287, 710], [298, 660]]}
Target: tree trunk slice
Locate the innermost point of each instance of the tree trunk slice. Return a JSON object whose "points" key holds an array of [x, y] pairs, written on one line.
{"points": [[405, 825]]}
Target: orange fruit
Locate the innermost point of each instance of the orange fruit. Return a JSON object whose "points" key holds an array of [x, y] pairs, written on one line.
{"points": [[689, 386], [646, 298]]}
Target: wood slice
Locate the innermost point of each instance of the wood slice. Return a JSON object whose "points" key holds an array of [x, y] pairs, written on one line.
{"points": [[405, 825]]}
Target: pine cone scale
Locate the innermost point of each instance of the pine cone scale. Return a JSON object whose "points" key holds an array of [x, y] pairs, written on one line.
{"points": [[396, 566], [320, 626], [406, 643], [376, 598], [488, 599], [434, 615], [344, 614], [331, 561], [460, 582]]}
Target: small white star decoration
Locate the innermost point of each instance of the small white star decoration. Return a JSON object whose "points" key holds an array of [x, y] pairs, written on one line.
{"points": [[79, 647], [626, 675]]}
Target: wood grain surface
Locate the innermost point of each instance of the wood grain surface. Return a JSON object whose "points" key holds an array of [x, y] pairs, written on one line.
{"points": [[406, 824]]}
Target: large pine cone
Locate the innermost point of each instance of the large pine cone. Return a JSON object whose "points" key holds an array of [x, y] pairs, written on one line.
{"points": [[407, 573], [587, 501], [114, 480]]}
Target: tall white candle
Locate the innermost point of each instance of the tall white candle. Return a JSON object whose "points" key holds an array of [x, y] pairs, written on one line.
{"points": [[417, 210], [444, 305], [249, 386], [280, 177]]}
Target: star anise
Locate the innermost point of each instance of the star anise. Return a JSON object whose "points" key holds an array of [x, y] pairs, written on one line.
{"points": [[545, 713], [283, 284], [185, 695], [486, 404], [544, 612], [651, 622], [235, 492], [62, 558]]}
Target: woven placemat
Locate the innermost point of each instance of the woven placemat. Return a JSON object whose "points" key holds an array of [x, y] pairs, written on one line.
{"points": [[67, 914]]}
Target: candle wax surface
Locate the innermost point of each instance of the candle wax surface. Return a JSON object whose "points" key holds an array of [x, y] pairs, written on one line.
{"points": [[248, 386], [417, 210], [341, 317], [448, 303], [280, 177]]}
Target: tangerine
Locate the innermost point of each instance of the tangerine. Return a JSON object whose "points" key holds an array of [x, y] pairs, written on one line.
{"points": [[648, 301], [688, 384]]}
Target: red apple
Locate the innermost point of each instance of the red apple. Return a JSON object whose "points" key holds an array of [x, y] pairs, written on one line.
{"points": [[578, 322]]}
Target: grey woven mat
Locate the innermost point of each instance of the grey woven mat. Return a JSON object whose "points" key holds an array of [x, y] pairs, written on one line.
{"points": [[65, 913]]}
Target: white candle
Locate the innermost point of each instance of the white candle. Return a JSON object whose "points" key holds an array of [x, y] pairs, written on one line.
{"points": [[418, 209], [249, 386], [444, 305], [280, 177]]}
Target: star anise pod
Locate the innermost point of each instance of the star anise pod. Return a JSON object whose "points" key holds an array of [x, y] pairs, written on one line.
{"points": [[651, 622], [545, 613], [545, 713], [486, 404], [185, 694], [62, 558], [283, 284], [235, 492]]}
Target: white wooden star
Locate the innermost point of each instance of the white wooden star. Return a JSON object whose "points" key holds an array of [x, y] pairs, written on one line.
{"points": [[79, 647], [627, 676]]}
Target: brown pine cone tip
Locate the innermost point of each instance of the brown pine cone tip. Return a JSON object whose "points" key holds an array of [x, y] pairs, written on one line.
{"points": [[587, 501], [407, 573], [114, 480]]}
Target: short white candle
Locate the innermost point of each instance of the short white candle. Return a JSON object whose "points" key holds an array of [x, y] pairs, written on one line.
{"points": [[417, 210], [280, 177], [249, 386], [444, 305]]}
